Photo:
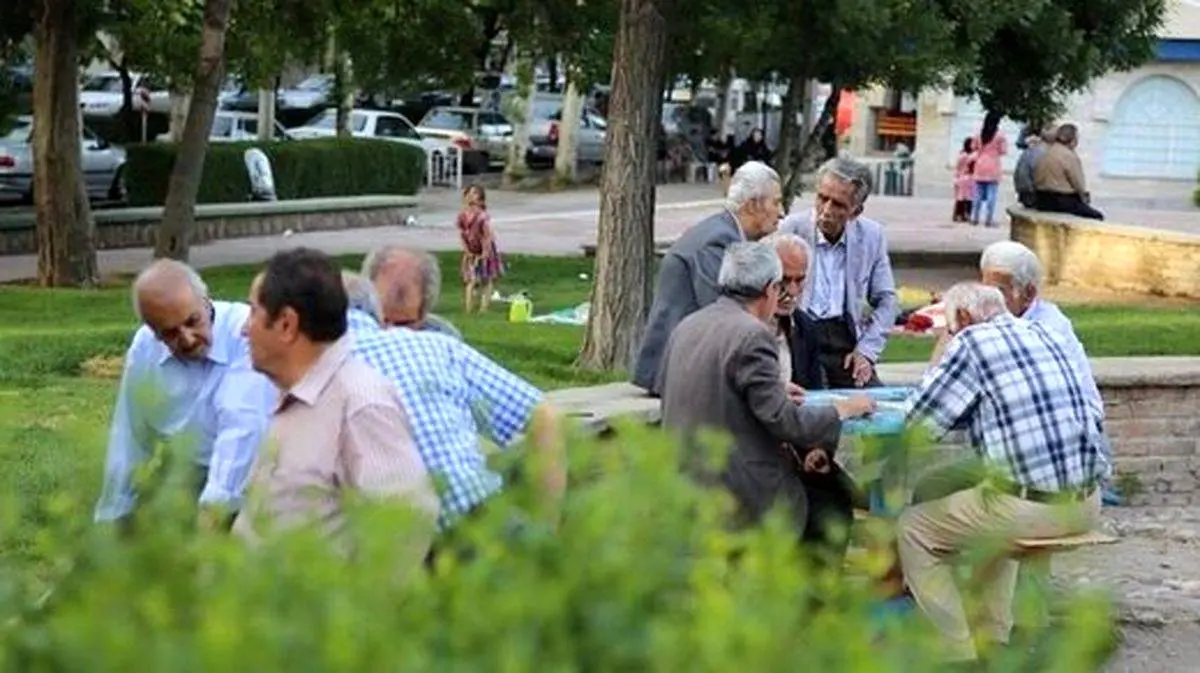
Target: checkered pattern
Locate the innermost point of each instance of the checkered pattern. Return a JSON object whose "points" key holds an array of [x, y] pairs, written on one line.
{"points": [[452, 394], [1012, 385]]}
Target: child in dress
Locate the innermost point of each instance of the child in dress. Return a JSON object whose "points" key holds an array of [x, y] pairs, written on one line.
{"points": [[481, 264], [964, 181]]}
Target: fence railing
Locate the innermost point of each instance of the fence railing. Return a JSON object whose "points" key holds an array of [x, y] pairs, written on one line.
{"points": [[891, 177], [444, 168]]}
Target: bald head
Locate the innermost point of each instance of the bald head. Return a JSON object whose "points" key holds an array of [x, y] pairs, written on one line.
{"points": [[408, 282], [172, 300], [794, 253]]}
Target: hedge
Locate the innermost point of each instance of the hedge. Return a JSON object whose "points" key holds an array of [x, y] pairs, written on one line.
{"points": [[302, 169]]}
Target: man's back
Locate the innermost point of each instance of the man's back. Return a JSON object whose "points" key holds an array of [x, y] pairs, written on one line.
{"points": [[1058, 171]]}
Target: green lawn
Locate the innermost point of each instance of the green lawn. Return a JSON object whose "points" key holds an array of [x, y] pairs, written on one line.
{"points": [[53, 422]]}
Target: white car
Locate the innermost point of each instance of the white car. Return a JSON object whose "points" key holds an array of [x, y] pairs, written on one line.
{"points": [[101, 94], [235, 127], [379, 124]]}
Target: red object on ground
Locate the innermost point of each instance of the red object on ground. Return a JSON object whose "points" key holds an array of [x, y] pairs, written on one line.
{"points": [[918, 322]]}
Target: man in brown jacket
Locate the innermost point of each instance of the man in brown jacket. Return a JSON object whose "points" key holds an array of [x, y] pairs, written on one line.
{"points": [[1059, 180]]}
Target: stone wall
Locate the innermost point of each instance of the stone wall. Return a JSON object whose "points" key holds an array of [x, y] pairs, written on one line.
{"points": [[1153, 419], [136, 227], [1091, 254]]}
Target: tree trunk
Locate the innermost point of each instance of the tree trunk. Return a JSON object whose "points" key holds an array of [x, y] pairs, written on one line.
{"points": [[789, 131], [179, 212], [520, 114], [811, 150], [622, 293], [181, 102], [65, 229], [565, 159], [723, 101], [266, 115], [343, 91]]}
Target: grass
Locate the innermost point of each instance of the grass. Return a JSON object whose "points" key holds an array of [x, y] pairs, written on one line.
{"points": [[53, 420]]}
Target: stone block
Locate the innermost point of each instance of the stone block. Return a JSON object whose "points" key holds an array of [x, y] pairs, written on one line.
{"points": [[1155, 427]]}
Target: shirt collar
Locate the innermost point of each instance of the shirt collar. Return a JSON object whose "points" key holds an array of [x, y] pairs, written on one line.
{"points": [[317, 378], [737, 223], [1033, 308], [358, 320]]}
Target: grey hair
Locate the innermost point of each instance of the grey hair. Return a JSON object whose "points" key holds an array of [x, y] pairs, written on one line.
{"points": [[781, 239], [981, 302], [1016, 260], [850, 170], [194, 281], [428, 271], [361, 295], [751, 182], [748, 268]]}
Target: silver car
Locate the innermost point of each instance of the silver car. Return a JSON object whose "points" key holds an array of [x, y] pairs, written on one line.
{"points": [[103, 164]]}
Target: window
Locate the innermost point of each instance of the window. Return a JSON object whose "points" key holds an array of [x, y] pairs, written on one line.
{"points": [[20, 131], [968, 119], [109, 83], [328, 119], [449, 120], [493, 119], [1155, 131], [222, 127]]}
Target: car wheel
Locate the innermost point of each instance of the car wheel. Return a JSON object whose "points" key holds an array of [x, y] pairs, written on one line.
{"points": [[117, 192]]}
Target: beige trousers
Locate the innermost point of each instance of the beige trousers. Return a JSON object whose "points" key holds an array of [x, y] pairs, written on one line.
{"points": [[932, 533]]}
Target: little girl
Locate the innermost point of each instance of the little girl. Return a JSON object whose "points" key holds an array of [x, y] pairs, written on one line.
{"points": [[481, 264], [964, 181]]}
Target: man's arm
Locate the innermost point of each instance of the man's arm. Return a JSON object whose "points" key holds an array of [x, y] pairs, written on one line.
{"points": [[1075, 177], [128, 443], [755, 372], [706, 265], [244, 402], [948, 393], [881, 295]]}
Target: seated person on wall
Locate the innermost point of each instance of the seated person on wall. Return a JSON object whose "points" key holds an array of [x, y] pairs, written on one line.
{"points": [[1059, 180], [188, 379], [340, 431], [1032, 145], [721, 371], [850, 270], [798, 355], [453, 394], [1044, 462], [409, 284], [687, 277]]}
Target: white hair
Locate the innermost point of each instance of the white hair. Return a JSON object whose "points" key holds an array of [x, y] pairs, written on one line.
{"points": [[981, 302], [751, 182], [1017, 261], [782, 239], [428, 271], [361, 295], [748, 268], [166, 266], [849, 170]]}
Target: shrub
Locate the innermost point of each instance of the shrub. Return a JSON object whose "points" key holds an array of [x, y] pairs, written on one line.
{"points": [[302, 169], [1196, 194], [640, 575]]}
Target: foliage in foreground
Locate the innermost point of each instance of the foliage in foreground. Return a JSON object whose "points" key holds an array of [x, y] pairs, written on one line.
{"points": [[639, 576]]}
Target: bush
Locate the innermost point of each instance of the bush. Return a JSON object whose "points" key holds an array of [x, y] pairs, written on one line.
{"points": [[1196, 194], [302, 169], [639, 576]]}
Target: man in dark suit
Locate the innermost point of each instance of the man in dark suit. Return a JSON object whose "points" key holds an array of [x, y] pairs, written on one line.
{"points": [[721, 370], [687, 278]]}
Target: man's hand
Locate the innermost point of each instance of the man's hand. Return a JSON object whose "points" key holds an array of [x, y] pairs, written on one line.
{"points": [[855, 407], [794, 392], [861, 369], [817, 461], [211, 519]]}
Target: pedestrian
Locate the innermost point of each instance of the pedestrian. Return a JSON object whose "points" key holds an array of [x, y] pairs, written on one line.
{"points": [[964, 181], [990, 148], [481, 263]]}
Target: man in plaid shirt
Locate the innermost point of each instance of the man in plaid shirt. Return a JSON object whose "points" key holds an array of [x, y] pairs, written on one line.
{"points": [[453, 394], [1011, 385]]}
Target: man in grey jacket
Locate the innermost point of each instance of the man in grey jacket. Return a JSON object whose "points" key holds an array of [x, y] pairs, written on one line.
{"points": [[687, 278], [721, 371]]}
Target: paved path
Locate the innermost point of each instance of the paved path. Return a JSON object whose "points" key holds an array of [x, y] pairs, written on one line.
{"points": [[560, 223]]}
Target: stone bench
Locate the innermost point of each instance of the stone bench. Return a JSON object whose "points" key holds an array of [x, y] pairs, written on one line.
{"points": [[1152, 406], [1093, 254]]}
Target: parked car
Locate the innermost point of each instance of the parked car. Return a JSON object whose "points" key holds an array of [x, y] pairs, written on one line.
{"points": [[379, 124], [544, 132], [236, 127], [103, 164], [481, 135], [101, 95]]}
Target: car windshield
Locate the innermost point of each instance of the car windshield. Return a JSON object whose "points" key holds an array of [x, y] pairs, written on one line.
{"points": [[222, 127], [328, 120], [315, 83], [19, 132], [104, 84], [546, 109], [448, 120]]}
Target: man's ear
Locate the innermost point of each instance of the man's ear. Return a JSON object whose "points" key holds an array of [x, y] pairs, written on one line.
{"points": [[859, 210], [962, 318]]}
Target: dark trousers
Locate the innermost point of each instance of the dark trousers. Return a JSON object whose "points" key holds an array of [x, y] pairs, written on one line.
{"points": [[830, 512], [1072, 204], [835, 340]]}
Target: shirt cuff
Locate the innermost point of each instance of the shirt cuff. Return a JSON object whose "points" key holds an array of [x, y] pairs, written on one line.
{"points": [[117, 508], [215, 495]]}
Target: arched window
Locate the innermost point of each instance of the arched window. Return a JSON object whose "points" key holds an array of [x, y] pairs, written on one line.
{"points": [[968, 119], [1155, 131]]}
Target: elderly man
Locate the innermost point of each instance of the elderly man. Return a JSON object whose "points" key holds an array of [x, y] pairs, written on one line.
{"points": [[1044, 461], [188, 379], [1033, 146], [454, 394], [721, 370], [339, 431], [409, 284], [798, 355], [850, 270], [687, 278], [1059, 180]]}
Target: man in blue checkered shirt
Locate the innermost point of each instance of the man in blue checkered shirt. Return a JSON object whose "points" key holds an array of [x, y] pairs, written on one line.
{"points": [[1011, 385], [453, 394]]}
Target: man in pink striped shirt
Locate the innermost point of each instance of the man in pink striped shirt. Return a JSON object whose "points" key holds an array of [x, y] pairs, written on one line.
{"points": [[339, 430]]}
